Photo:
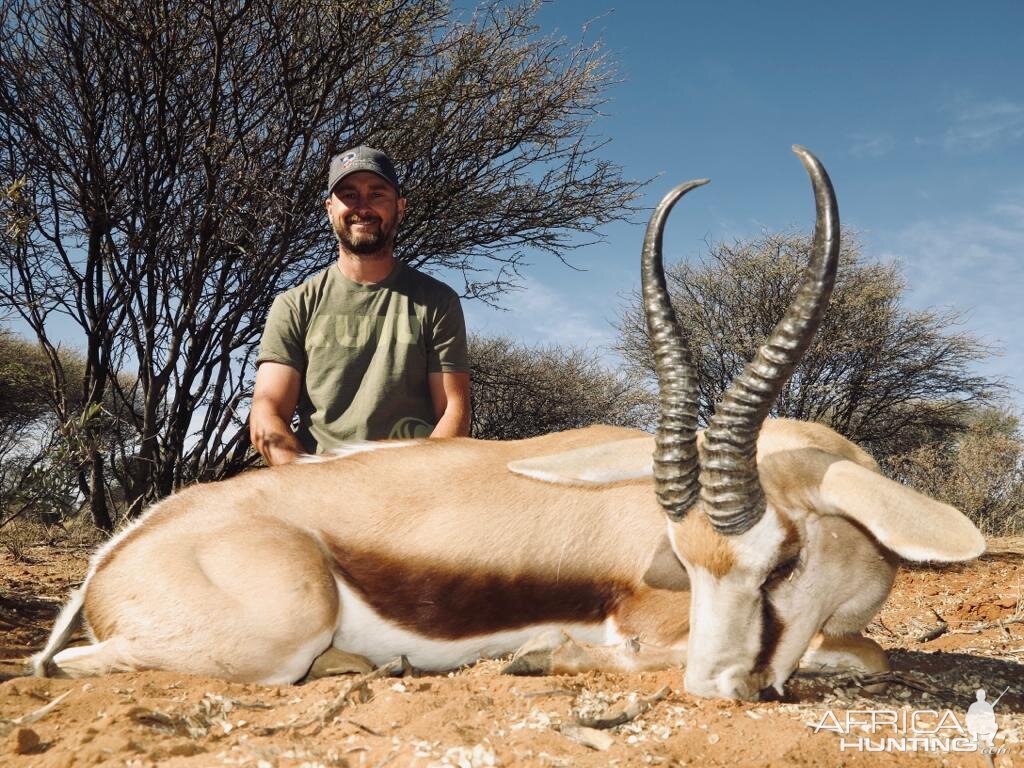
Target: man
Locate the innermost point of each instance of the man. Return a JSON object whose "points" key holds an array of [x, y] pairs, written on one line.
{"points": [[367, 349]]}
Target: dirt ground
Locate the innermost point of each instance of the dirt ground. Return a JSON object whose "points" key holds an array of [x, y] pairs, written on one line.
{"points": [[478, 717]]}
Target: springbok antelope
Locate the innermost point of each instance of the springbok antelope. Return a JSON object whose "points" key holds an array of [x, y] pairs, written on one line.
{"points": [[781, 541]]}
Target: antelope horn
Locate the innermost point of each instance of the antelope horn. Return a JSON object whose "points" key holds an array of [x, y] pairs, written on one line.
{"points": [[730, 489], [675, 444]]}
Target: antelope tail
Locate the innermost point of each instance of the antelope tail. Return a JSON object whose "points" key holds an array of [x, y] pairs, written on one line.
{"points": [[68, 622]]}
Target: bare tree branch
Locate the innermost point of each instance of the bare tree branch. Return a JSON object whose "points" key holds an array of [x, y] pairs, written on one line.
{"points": [[174, 156], [882, 375]]}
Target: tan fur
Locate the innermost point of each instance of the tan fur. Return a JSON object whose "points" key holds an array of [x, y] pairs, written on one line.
{"points": [[655, 616], [557, 653], [791, 541], [618, 461], [698, 543], [572, 658], [845, 652]]}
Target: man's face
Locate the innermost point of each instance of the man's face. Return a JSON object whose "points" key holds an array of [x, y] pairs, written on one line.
{"points": [[364, 211]]}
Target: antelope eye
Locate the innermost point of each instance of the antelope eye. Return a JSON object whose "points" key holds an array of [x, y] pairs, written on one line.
{"points": [[783, 570]]}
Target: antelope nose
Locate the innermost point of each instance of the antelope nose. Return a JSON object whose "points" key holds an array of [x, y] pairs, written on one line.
{"points": [[729, 684]]}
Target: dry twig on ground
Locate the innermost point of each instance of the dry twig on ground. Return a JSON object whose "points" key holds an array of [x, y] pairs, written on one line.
{"points": [[32, 717], [630, 712], [327, 713]]}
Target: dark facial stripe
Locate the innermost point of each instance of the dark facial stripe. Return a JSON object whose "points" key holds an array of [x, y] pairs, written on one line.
{"points": [[443, 603], [771, 632]]}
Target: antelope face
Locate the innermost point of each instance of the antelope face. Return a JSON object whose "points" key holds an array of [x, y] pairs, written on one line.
{"points": [[759, 598]]}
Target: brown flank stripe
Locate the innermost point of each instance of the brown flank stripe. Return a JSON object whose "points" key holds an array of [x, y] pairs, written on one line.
{"points": [[435, 602]]}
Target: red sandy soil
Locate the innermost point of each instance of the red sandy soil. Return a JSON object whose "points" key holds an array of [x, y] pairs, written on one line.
{"points": [[478, 717]]}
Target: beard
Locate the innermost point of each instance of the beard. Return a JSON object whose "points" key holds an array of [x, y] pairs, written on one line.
{"points": [[364, 241]]}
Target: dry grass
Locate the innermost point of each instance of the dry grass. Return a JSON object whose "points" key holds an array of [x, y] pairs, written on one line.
{"points": [[1005, 545], [19, 537], [980, 472]]}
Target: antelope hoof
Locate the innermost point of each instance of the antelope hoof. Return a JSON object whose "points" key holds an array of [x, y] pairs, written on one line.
{"points": [[334, 662], [529, 664], [847, 653], [537, 656]]}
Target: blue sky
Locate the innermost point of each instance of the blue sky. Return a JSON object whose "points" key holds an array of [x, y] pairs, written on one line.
{"points": [[915, 108]]}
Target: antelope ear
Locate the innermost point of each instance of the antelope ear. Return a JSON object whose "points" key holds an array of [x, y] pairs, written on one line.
{"points": [[904, 521], [594, 465]]}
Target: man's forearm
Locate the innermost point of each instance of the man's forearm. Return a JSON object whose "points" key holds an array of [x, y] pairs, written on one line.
{"points": [[453, 423], [450, 395], [273, 438]]}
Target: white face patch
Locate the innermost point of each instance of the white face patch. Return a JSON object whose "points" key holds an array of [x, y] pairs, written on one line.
{"points": [[725, 635], [758, 549], [728, 613]]}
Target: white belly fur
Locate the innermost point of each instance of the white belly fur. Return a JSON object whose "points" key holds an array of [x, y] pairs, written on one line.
{"points": [[361, 630]]}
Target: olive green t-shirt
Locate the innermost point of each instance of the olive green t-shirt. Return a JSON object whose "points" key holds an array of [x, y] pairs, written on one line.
{"points": [[364, 352]]}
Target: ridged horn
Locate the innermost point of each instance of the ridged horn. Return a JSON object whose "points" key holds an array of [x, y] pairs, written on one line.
{"points": [[730, 489], [675, 444]]}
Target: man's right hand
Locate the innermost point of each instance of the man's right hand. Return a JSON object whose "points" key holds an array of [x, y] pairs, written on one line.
{"points": [[275, 395]]}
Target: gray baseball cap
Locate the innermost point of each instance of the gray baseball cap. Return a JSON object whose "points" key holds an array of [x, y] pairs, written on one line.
{"points": [[362, 158]]}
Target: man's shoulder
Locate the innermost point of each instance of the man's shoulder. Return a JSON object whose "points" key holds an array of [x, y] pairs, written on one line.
{"points": [[311, 285], [428, 285], [307, 294]]}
